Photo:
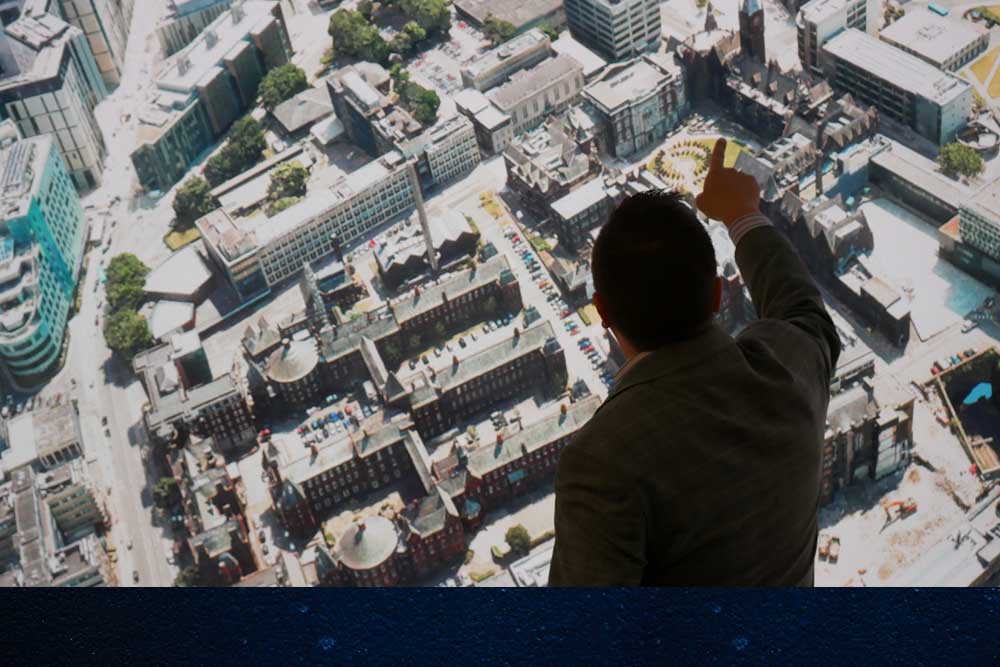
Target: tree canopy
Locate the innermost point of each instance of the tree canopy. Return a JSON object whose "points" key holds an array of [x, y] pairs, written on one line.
{"points": [[280, 84], [498, 30], [187, 578], [244, 149], [423, 103], [957, 159], [288, 180], [126, 277], [193, 200], [518, 539], [355, 37], [127, 333], [431, 15], [407, 39]]}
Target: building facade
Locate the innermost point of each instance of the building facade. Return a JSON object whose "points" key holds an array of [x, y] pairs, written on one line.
{"points": [[751, 19], [529, 95], [862, 439], [185, 20], [209, 84], [818, 21], [106, 25], [72, 498], [42, 245], [50, 84], [979, 222], [614, 28], [637, 103], [935, 104], [499, 63]]}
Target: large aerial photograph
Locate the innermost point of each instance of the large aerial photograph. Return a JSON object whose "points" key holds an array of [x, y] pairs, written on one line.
{"points": [[300, 293]]}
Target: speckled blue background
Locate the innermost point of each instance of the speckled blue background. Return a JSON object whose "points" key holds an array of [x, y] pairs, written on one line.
{"points": [[502, 627]]}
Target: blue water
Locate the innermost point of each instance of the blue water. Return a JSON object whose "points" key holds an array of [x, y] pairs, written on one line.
{"points": [[979, 392]]}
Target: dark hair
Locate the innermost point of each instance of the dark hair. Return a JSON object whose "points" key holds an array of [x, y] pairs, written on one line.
{"points": [[654, 267]]}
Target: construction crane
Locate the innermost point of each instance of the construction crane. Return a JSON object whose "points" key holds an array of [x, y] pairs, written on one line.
{"points": [[898, 509]]}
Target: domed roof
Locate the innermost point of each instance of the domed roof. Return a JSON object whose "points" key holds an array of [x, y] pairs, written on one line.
{"points": [[367, 544], [292, 361]]}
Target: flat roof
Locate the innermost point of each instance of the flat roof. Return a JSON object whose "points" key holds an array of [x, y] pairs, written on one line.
{"points": [[526, 83], [636, 80], [169, 316], [817, 10], [21, 442], [935, 38], [518, 12], [267, 229], [585, 196], [588, 60], [899, 68], [914, 168], [988, 201], [501, 54], [184, 273], [213, 44]]}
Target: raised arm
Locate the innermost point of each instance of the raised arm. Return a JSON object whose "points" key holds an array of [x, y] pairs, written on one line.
{"points": [[779, 282]]}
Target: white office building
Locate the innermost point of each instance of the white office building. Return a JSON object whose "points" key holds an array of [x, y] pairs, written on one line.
{"points": [[945, 42], [901, 86], [617, 29]]}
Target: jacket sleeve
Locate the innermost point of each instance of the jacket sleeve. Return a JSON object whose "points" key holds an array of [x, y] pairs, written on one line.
{"points": [[599, 521], [782, 288]]}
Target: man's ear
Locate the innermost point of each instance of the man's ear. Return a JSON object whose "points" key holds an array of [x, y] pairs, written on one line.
{"points": [[716, 295]]}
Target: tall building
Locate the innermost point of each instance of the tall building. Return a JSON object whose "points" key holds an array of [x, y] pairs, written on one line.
{"points": [[105, 23], [617, 29], [752, 30], [903, 87], [208, 85], [42, 239], [50, 84], [820, 21]]}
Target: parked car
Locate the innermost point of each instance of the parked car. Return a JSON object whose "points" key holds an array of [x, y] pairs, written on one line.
{"points": [[135, 576], [413, 364], [425, 359]]}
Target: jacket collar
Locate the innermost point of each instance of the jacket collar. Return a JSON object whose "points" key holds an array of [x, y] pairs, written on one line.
{"points": [[673, 357]]}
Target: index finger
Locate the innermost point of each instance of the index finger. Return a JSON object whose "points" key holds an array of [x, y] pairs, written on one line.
{"points": [[718, 156]]}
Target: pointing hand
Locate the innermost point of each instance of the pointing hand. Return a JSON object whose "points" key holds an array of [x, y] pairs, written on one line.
{"points": [[728, 194]]}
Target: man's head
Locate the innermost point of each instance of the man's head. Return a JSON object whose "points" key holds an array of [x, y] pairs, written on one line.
{"points": [[655, 275]]}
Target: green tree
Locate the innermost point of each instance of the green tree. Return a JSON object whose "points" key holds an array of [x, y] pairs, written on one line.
{"points": [[126, 277], [440, 329], [288, 180], [498, 30], [407, 39], [193, 200], [518, 539], [244, 149], [187, 578], [355, 37], [166, 493], [421, 102], [365, 8], [958, 160], [127, 333], [431, 15], [414, 342], [549, 32], [280, 84]]}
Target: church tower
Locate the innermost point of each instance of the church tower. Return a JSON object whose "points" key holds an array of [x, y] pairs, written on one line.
{"points": [[752, 30]]}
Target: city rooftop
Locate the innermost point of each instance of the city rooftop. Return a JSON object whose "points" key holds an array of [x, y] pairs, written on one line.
{"points": [[903, 70]]}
